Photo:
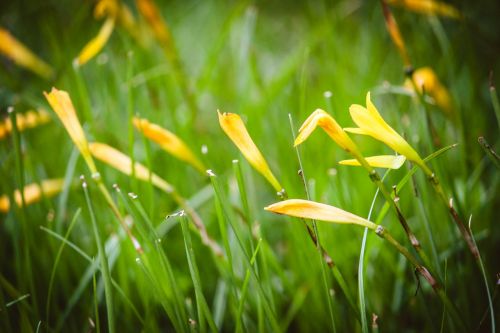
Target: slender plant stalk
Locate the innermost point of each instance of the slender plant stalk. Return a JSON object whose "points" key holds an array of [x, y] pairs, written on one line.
{"points": [[106, 275], [490, 152], [494, 99]]}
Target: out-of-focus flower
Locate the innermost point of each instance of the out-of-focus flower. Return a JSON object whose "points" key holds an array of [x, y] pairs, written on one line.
{"points": [[371, 123], [97, 43], [427, 81], [397, 38], [382, 161], [29, 119], [318, 211], [330, 126], [235, 129], [169, 142], [428, 7], [21, 55], [33, 193], [61, 103], [123, 163]]}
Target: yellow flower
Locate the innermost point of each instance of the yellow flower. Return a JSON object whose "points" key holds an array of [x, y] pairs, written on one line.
{"points": [[61, 103], [33, 193], [428, 7], [21, 55], [123, 163], [371, 123], [96, 44], [382, 161], [30, 119], [235, 129], [150, 12], [330, 126], [169, 142], [397, 38], [427, 79], [318, 211]]}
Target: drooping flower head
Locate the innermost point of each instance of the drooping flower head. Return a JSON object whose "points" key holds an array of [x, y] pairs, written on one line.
{"points": [[371, 123], [61, 103], [428, 7], [426, 81], [33, 193], [29, 119], [233, 126], [169, 142], [318, 211]]}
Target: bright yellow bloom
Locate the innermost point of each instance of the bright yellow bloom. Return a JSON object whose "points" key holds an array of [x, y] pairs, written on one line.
{"points": [[382, 161], [28, 120], [330, 126], [235, 129], [21, 55], [97, 43], [371, 123], [318, 211], [169, 142], [61, 103], [33, 193], [427, 79], [428, 7], [123, 163], [397, 38]]}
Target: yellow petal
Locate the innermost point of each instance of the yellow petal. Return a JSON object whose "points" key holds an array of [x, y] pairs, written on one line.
{"points": [[150, 12], [428, 7], [371, 123], [427, 81], [29, 119], [123, 163], [235, 129], [169, 142], [61, 103], [382, 161], [330, 126], [317, 211], [21, 55], [97, 43], [33, 193]]}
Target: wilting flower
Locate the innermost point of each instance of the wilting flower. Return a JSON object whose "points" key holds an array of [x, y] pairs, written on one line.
{"points": [[426, 80], [61, 103], [160, 29], [30, 119], [21, 55], [123, 163], [235, 129], [382, 161], [397, 38], [371, 123], [318, 211], [169, 142], [33, 193], [330, 126], [428, 7]]}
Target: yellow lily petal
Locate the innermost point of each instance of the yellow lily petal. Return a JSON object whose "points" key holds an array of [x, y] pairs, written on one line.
{"points": [[426, 80], [150, 12], [428, 7], [169, 142], [29, 119], [397, 38], [61, 103], [97, 43], [123, 163], [371, 123], [235, 129], [330, 126], [318, 211], [382, 161], [21, 55], [33, 193]]}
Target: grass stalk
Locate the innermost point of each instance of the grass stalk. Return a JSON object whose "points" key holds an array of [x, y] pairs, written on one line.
{"points": [[106, 275]]}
